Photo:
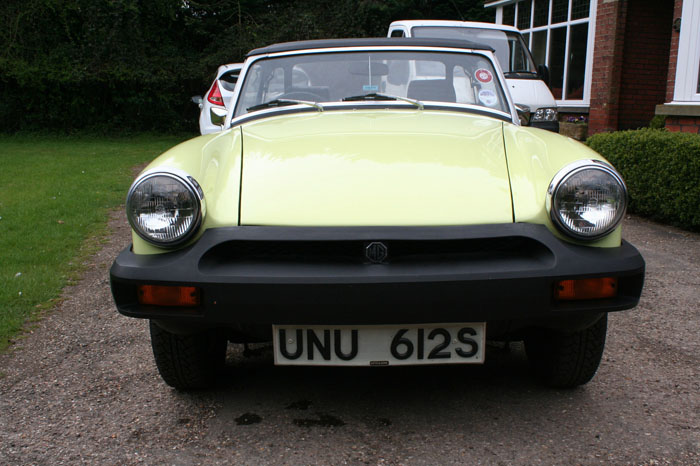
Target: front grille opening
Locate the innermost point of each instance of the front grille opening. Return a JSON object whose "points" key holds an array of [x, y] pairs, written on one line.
{"points": [[399, 252]]}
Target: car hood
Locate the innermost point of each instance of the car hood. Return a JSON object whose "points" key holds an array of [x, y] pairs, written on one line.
{"points": [[348, 168]]}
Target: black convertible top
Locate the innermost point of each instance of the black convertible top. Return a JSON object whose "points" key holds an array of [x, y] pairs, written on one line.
{"points": [[369, 42]]}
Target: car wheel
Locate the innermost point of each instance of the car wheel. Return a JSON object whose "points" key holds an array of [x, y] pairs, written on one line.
{"points": [[566, 360], [188, 361]]}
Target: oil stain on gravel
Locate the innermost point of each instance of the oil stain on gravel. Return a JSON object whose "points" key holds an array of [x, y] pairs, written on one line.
{"points": [[248, 419], [324, 420]]}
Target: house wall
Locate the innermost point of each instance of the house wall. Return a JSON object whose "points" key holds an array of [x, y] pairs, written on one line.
{"points": [[684, 124], [645, 61], [634, 66], [630, 63], [607, 65], [678, 119]]}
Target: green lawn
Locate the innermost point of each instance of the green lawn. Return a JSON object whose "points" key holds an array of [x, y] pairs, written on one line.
{"points": [[55, 193]]}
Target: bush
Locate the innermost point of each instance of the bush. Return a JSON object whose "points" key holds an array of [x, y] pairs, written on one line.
{"points": [[133, 64], [658, 122], [662, 172]]}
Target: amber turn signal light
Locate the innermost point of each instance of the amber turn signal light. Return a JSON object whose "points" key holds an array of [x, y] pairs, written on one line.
{"points": [[588, 288], [181, 296]]}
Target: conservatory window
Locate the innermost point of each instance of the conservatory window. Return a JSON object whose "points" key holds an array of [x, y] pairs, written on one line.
{"points": [[560, 34]]}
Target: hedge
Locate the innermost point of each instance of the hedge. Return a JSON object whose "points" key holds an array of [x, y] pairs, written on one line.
{"points": [[133, 65], [662, 172]]}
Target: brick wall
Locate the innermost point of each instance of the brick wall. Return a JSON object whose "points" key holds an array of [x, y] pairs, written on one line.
{"points": [[683, 124], [644, 62], [679, 117], [631, 62], [607, 65], [673, 53]]}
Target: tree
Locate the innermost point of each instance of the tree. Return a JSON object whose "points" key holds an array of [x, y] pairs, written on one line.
{"points": [[133, 64]]}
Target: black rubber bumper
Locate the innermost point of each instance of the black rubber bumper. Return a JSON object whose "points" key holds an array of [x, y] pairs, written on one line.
{"points": [[309, 275]]}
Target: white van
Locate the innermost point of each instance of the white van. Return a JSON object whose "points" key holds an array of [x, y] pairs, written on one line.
{"points": [[526, 81]]}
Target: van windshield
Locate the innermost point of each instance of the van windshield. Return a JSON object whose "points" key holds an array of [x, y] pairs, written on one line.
{"points": [[511, 51]]}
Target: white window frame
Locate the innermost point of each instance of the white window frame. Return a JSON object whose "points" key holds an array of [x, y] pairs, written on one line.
{"points": [[688, 64], [588, 73]]}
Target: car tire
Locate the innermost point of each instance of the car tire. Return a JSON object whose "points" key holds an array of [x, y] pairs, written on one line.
{"points": [[567, 360], [190, 361]]}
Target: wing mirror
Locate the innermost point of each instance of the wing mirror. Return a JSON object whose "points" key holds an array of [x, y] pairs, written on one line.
{"points": [[524, 114], [543, 73], [199, 100]]}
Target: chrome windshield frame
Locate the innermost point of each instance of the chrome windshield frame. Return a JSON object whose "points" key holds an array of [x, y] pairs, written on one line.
{"points": [[231, 121]]}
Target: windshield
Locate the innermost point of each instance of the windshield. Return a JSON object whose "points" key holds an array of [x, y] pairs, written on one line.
{"points": [[462, 78], [511, 52]]}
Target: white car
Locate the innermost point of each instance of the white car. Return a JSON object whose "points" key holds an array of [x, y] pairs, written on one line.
{"points": [[526, 82], [215, 105]]}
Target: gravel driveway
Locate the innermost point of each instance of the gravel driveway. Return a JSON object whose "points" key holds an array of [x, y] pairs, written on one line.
{"points": [[82, 388]]}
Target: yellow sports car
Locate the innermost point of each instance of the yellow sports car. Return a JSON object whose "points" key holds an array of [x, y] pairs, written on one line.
{"points": [[376, 202]]}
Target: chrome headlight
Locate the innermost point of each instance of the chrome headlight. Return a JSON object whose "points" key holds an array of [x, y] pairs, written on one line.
{"points": [[545, 114], [165, 208], [587, 199]]}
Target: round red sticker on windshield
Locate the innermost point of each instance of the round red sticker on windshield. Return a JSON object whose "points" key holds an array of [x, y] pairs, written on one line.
{"points": [[483, 75]]}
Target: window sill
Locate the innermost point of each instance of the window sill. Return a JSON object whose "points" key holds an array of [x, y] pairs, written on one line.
{"points": [[568, 108], [690, 109]]}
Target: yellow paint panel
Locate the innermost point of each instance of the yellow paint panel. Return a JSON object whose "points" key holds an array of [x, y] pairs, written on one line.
{"points": [[354, 168], [215, 162], [375, 168], [534, 157]]}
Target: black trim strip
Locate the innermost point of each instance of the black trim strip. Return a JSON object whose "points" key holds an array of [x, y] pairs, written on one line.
{"points": [[510, 183], [373, 106], [369, 42], [240, 181]]}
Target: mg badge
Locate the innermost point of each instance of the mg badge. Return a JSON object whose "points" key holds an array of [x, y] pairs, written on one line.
{"points": [[376, 252]]}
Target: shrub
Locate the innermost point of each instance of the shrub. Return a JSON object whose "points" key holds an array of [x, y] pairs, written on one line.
{"points": [[658, 122], [133, 65], [662, 172]]}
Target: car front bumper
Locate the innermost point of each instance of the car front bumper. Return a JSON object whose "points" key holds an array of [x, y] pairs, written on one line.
{"points": [[310, 275]]}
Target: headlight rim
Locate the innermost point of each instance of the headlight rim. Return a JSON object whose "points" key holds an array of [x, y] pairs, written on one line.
{"points": [[567, 172], [192, 187]]}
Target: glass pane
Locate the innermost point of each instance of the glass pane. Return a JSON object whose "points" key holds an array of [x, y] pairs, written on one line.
{"points": [[541, 13], [335, 75], [509, 15], [560, 11], [698, 81], [519, 55], [580, 9], [557, 54], [431, 69], [508, 46], [524, 14], [539, 47], [526, 38], [578, 41], [276, 86]]}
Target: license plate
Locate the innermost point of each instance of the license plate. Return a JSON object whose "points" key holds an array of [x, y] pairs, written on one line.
{"points": [[379, 345]]}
